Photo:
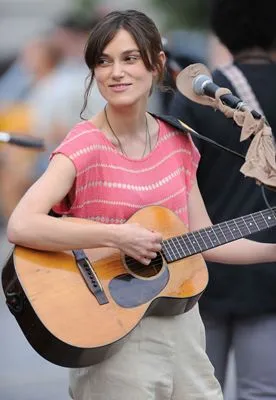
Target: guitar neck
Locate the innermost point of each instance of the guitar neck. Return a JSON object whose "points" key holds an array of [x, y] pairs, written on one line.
{"points": [[204, 239]]}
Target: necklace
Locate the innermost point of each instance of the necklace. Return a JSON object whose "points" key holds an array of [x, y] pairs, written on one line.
{"points": [[148, 139]]}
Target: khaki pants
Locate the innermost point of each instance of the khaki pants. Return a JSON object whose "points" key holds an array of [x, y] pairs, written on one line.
{"points": [[163, 359]]}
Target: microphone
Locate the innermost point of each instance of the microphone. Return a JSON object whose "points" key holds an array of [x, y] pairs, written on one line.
{"points": [[22, 140], [203, 85]]}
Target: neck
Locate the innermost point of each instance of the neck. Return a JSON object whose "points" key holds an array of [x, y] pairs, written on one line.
{"points": [[127, 121]]}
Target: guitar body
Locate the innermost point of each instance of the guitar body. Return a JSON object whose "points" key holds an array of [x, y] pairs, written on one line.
{"points": [[63, 320]]}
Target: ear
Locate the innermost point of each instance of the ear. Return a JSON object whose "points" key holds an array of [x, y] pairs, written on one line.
{"points": [[162, 57]]}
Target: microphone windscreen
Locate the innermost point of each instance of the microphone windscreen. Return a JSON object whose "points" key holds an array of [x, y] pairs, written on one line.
{"points": [[185, 81], [199, 82]]}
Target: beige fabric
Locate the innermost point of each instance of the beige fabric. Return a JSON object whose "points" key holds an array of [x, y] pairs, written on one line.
{"points": [[184, 83], [260, 160], [163, 359]]}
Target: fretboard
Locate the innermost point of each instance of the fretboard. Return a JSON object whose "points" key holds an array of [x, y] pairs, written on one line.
{"points": [[204, 239]]}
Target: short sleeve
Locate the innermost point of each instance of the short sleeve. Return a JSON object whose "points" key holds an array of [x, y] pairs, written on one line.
{"points": [[75, 146], [193, 163]]}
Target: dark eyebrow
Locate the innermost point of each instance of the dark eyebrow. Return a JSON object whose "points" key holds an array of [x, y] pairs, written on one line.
{"points": [[131, 51], [124, 53]]}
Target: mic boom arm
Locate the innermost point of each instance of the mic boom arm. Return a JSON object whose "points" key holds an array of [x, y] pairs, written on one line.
{"points": [[204, 86], [22, 140]]}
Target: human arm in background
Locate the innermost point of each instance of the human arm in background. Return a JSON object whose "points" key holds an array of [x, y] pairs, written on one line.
{"points": [[242, 251]]}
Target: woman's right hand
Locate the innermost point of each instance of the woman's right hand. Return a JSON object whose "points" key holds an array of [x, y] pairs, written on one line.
{"points": [[138, 242]]}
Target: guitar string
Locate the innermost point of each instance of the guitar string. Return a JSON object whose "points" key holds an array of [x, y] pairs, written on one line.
{"points": [[259, 218], [220, 234]]}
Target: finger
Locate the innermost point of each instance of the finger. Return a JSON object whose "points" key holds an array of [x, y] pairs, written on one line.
{"points": [[145, 260], [158, 239], [156, 247], [151, 255], [158, 236]]}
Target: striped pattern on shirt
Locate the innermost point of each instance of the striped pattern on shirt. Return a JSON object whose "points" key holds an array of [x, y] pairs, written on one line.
{"points": [[109, 187]]}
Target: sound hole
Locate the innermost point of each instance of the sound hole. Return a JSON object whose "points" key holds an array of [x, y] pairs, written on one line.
{"points": [[144, 271]]}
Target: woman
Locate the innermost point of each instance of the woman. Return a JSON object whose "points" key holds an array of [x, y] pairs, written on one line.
{"points": [[107, 168]]}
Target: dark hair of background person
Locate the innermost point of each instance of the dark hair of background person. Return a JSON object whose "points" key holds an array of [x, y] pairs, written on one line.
{"points": [[77, 22], [231, 21], [142, 29]]}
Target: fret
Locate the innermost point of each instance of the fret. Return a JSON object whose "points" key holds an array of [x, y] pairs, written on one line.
{"points": [[232, 228], [191, 243], [211, 233], [246, 225], [271, 219], [195, 241], [250, 223], [179, 243], [243, 227], [238, 229], [216, 235], [268, 217], [229, 230], [217, 230], [207, 234], [182, 243], [264, 219], [199, 240], [174, 242], [221, 230], [205, 237], [167, 250]]}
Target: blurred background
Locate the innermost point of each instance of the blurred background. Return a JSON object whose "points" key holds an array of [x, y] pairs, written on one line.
{"points": [[41, 47]]}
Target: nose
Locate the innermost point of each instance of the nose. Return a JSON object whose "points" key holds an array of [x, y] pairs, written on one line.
{"points": [[117, 70]]}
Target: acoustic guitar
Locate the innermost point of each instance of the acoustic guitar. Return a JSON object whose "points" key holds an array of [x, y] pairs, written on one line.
{"points": [[76, 308]]}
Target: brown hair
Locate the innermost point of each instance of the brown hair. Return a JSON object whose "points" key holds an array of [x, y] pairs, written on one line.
{"points": [[144, 32]]}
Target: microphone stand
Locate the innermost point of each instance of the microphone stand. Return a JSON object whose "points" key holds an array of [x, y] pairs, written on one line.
{"points": [[22, 140]]}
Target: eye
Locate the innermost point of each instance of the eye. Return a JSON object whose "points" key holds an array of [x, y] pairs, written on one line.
{"points": [[131, 59], [103, 62]]}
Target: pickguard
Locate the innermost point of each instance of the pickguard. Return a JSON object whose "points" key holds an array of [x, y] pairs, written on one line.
{"points": [[129, 291]]}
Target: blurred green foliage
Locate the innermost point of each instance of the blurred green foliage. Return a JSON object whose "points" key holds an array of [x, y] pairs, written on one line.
{"points": [[83, 5], [178, 13], [184, 13]]}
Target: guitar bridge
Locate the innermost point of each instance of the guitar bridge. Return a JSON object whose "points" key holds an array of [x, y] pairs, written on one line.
{"points": [[90, 276]]}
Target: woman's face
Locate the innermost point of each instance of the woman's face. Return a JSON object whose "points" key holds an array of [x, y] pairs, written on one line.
{"points": [[121, 75]]}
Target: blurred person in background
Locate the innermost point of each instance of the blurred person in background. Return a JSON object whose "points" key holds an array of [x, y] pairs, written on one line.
{"points": [[70, 36], [53, 78], [182, 48], [15, 81], [39, 59], [239, 305], [63, 104], [65, 96], [15, 86]]}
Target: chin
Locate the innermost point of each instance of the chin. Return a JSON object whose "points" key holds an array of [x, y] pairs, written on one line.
{"points": [[123, 102]]}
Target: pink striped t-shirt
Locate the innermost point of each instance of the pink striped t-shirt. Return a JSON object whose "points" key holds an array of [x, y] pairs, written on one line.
{"points": [[109, 187]]}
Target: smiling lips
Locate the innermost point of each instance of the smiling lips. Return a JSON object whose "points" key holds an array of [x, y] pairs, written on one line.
{"points": [[120, 87]]}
